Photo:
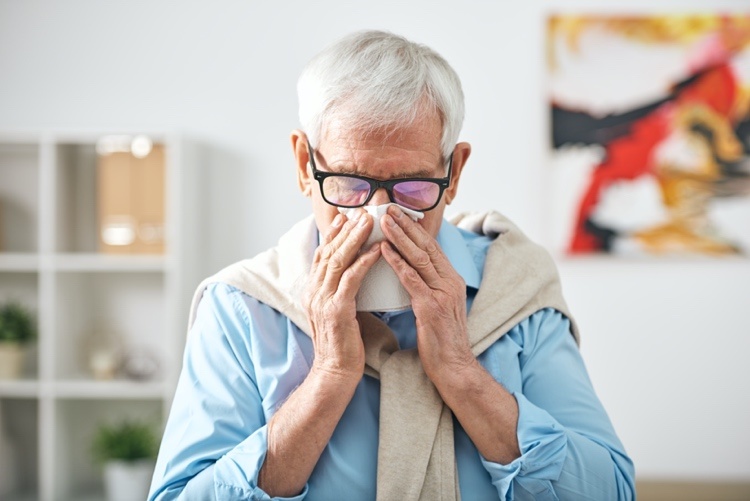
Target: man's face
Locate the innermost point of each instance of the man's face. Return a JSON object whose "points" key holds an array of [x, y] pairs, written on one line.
{"points": [[409, 152]]}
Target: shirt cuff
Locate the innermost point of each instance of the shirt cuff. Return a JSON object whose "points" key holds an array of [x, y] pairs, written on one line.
{"points": [[543, 445], [236, 474]]}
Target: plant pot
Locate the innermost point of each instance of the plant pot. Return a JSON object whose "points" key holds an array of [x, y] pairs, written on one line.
{"points": [[128, 480], [11, 360]]}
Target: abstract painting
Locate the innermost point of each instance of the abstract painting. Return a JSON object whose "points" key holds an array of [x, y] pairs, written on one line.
{"points": [[650, 134]]}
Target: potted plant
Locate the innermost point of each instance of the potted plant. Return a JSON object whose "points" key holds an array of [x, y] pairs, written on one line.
{"points": [[17, 330], [127, 450]]}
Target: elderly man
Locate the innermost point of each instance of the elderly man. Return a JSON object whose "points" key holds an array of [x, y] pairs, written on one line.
{"points": [[474, 390]]}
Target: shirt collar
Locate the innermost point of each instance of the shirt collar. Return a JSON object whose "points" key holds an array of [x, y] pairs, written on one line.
{"points": [[457, 251]]}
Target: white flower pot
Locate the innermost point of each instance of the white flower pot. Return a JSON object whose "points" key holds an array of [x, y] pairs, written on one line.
{"points": [[11, 360], [128, 480]]}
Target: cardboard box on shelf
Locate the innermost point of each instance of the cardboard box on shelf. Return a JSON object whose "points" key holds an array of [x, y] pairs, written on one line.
{"points": [[130, 200]]}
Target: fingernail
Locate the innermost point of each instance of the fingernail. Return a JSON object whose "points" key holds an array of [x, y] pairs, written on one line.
{"points": [[337, 220], [389, 220], [362, 221], [355, 215], [397, 213]]}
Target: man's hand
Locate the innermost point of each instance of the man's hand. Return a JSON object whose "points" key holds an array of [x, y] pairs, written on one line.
{"points": [[485, 409], [300, 430], [438, 295], [335, 277]]}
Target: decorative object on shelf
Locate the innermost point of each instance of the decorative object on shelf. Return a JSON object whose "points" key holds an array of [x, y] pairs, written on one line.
{"points": [[104, 355], [130, 195], [140, 364], [128, 452], [17, 330]]}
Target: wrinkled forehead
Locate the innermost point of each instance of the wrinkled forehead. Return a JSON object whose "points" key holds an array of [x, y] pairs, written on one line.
{"points": [[341, 120], [425, 132]]}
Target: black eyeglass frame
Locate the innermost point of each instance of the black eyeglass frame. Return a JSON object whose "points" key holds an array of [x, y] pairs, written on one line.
{"points": [[376, 184]]}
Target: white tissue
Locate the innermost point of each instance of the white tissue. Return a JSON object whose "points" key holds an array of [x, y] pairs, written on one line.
{"points": [[381, 289]]}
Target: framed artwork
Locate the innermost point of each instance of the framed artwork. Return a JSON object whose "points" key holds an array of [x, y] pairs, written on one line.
{"points": [[650, 134]]}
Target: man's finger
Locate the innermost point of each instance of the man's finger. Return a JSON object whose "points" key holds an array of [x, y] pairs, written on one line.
{"points": [[419, 258]]}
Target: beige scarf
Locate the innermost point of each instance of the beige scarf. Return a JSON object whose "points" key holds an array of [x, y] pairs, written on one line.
{"points": [[416, 456]]}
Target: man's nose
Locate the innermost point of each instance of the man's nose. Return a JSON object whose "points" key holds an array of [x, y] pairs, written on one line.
{"points": [[380, 197]]}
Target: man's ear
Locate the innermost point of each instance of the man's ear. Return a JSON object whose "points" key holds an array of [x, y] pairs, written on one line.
{"points": [[301, 160], [460, 155]]}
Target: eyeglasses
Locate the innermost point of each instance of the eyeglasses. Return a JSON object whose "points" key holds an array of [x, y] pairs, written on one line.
{"points": [[350, 190]]}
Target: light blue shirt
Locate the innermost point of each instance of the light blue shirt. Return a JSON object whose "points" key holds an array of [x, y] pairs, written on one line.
{"points": [[243, 359]]}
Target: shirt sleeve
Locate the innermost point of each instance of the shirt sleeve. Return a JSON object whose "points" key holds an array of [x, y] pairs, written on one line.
{"points": [[215, 440], [569, 449]]}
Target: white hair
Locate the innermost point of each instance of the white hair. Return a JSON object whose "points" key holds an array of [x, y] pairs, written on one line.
{"points": [[375, 80]]}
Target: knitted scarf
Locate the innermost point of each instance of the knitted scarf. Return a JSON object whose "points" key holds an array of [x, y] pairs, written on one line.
{"points": [[416, 456]]}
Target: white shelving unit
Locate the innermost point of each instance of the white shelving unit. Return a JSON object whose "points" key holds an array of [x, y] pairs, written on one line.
{"points": [[49, 260]]}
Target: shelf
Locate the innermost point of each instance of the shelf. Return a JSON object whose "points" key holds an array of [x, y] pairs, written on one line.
{"points": [[105, 262], [19, 197], [77, 474], [23, 286], [95, 303], [19, 421], [19, 388], [19, 261], [123, 310], [116, 389], [32, 262], [83, 389], [75, 197]]}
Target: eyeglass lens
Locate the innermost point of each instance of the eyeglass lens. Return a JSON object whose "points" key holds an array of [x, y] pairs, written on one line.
{"points": [[416, 194], [351, 192], [348, 191]]}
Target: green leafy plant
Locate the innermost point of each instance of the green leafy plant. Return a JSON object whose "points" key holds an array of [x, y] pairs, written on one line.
{"points": [[17, 323], [125, 441]]}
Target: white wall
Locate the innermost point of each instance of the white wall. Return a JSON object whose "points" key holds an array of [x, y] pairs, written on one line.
{"points": [[666, 343]]}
